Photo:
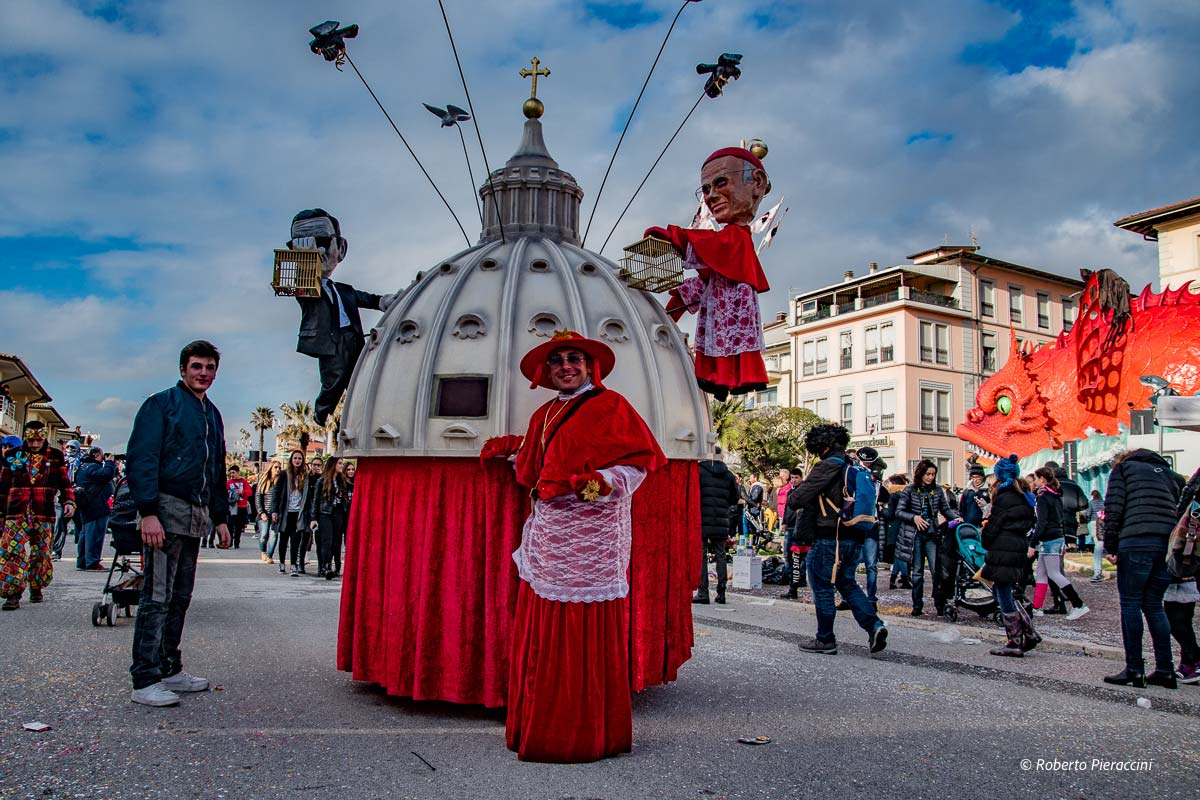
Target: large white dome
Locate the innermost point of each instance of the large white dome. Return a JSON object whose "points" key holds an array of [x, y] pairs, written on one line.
{"points": [[440, 373]]}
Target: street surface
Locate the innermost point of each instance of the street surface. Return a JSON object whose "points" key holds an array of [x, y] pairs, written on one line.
{"points": [[924, 719]]}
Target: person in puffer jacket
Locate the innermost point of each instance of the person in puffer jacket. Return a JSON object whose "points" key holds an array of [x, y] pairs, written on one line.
{"points": [[718, 502], [1139, 513]]}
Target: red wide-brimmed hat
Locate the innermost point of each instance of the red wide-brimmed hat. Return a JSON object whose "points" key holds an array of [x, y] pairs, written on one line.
{"points": [[533, 364]]}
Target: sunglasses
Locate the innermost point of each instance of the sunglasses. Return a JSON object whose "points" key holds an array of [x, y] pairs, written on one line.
{"points": [[574, 359]]}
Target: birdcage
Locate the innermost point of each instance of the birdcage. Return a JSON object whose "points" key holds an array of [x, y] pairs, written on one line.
{"points": [[297, 273], [652, 265]]}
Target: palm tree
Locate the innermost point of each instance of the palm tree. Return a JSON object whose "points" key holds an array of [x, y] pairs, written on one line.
{"points": [[298, 422], [724, 412], [332, 423], [262, 420]]}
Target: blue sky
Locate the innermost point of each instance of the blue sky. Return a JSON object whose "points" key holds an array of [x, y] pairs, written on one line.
{"points": [[154, 151]]}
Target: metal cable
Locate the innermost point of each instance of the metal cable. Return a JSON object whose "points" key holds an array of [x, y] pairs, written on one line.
{"points": [[410, 150], [474, 190], [475, 122], [596, 202]]}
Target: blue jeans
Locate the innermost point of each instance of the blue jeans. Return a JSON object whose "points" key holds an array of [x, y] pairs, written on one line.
{"points": [[91, 542], [1003, 592], [823, 581], [924, 551], [870, 559], [267, 537], [1142, 580]]}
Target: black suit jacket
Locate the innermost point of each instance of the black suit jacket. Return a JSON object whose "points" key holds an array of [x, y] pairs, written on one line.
{"points": [[319, 319]]}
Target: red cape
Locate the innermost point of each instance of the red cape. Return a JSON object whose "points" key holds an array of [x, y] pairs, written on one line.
{"points": [[729, 252], [606, 432]]}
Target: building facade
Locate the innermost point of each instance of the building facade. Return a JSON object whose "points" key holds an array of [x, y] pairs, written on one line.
{"points": [[23, 399], [1176, 228], [897, 355]]}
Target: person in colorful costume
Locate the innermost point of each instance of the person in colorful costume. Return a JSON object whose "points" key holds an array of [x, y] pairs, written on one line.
{"points": [[724, 293], [31, 476], [585, 453]]}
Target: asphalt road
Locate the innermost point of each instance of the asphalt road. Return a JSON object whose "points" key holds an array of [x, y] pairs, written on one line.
{"points": [[925, 719]]}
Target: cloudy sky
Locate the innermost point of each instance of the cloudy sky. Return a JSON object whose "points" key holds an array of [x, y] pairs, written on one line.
{"points": [[154, 151]]}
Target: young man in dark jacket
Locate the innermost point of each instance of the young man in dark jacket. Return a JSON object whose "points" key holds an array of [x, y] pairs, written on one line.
{"points": [[837, 549], [176, 470], [93, 489], [718, 502], [1139, 513]]}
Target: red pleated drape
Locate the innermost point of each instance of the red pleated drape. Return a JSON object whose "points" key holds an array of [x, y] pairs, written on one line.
{"points": [[430, 587]]}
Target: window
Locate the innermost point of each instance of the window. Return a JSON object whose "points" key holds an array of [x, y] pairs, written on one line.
{"points": [[848, 412], [935, 410], [808, 308], [1141, 423], [935, 343], [1016, 302], [988, 347], [881, 410], [871, 352], [847, 345], [940, 459], [887, 343], [1068, 314], [822, 355], [987, 298], [817, 405], [808, 358], [769, 397], [461, 396], [1043, 310]]}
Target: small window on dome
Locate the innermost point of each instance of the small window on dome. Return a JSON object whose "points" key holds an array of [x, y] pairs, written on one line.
{"points": [[461, 396]]}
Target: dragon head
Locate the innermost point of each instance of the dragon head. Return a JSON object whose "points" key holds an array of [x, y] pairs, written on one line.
{"points": [[1010, 415]]}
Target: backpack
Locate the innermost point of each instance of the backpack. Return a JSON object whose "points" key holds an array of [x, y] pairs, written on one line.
{"points": [[860, 496], [235, 494]]}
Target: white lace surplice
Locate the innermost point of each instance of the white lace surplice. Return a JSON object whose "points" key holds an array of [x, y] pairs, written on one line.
{"points": [[727, 316], [577, 551]]}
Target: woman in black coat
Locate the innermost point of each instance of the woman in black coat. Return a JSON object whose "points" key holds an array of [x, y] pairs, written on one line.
{"points": [[918, 509], [1005, 535], [326, 508]]}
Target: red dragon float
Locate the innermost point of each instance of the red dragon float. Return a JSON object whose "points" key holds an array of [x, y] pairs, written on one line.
{"points": [[1087, 381]]}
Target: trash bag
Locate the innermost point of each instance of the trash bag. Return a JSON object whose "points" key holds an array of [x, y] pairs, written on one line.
{"points": [[775, 571]]}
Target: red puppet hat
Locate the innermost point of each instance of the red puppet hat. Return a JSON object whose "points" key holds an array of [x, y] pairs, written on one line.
{"points": [[533, 364], [737, 152]]}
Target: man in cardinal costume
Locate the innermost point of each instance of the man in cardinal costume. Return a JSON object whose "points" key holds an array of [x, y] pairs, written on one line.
{"points": [[585, 453], [724, 293]]}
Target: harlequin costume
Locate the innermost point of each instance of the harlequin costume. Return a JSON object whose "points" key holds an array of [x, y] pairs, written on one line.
{"points": [[724, 297], [29, 481], [582, 458]]}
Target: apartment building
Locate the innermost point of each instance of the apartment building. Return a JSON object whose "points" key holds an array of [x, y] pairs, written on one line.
{"points": [[1176, 228], [23, 398], [897, 354]]}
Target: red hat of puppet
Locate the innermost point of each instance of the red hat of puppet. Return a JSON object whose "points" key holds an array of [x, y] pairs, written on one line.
{"points": [[533, 364], [737, 152]]}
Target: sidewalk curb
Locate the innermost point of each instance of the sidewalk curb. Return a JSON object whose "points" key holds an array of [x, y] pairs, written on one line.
{"points": [[1049, 644]]}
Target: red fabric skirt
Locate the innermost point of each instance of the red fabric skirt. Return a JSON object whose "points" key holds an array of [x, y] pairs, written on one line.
{"points": [[430, 588], [568, 680], [745, 371]]}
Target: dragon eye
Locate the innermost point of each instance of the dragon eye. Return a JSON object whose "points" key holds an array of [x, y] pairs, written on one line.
{"points": [[1004, 404]]}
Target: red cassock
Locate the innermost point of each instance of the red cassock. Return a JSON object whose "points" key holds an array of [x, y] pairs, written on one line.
{"points": [[569, 686], [724, 297]]}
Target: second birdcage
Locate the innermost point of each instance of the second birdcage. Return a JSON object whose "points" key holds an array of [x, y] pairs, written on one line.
{"points": [[652, 265], [297, 273]]}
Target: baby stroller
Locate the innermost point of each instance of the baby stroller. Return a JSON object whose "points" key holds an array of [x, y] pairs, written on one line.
{"points": [[126, 539], [969, 592]]}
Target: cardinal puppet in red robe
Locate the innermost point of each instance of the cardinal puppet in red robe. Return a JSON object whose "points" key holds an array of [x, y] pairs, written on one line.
{"points": [[724, 293]]}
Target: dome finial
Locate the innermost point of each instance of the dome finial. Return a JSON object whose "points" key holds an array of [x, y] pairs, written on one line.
{"points": [[534, 108]]}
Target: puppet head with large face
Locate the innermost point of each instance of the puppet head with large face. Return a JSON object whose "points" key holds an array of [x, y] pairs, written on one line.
{"points": [[316, 227], [732, 184]]}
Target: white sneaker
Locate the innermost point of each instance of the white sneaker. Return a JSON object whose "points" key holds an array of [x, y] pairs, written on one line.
{"points": [[1076, 613], [183, 682], [1037, 612], [155, 695]]}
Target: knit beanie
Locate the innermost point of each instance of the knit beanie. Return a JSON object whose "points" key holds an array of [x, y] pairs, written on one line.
{"points": [[1007, 470]]}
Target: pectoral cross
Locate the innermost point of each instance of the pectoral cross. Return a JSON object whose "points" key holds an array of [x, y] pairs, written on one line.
{"points": [[534, 73]]}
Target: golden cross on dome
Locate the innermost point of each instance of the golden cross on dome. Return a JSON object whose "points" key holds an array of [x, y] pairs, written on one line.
{"points": [[534, 73]]}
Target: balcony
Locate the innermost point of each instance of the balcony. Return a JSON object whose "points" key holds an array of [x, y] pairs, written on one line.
{"points": [[880, 299], [932, 299], [887, 422]]}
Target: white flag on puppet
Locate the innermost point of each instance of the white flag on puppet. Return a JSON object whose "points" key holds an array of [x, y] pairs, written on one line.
{"points": [[764, 220], [703, 219], [766, 240]]}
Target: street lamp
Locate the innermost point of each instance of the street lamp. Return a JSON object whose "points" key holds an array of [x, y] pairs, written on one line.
{"points": [[1161, 388]]}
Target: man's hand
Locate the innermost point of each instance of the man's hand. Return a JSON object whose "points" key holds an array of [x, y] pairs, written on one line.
{"points": [[224, 540], [590, 485], [1111, 558], [68, 510], [921, 523], [312, 526], [153, 534], [500, 447]]}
